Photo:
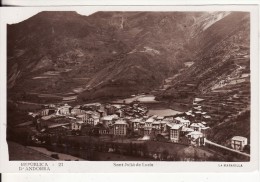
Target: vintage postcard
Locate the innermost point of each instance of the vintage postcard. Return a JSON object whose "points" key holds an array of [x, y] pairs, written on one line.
{"points": [[129, 89]]}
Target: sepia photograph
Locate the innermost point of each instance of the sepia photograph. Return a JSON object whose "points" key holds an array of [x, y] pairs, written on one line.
{"points": [[130, 85]]}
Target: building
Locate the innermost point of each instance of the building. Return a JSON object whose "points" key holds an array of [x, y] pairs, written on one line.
{"points": [[90, 121], [149, 122], [196, 138], [119, 128], [182, 121], [189, 115], [77, 110], [156, 125], [120, 113], [46, 112], [238, 143], [160, 118], [105, 130], [175, 132], [82, 117], [135, 124], [197, 126], [163, 125], [147, 131], [108, 120], [186, 130], [64, 110], [156, 128], [110, 109], [76, 126]]}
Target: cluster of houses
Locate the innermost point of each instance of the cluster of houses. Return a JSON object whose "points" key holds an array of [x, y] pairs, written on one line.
{"points": [[124, 120]]}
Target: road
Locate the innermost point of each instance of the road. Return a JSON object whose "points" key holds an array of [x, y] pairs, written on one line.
{"points": [[221, 146]]}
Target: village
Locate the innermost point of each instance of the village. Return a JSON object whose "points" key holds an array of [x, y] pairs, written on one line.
{"points": [[126, 129], [122, 121]]}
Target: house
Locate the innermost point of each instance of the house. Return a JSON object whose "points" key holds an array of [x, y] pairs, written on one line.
{"points": [[149, 121], [52, 106], [110, 109], [77, 110], [46, 112], [160, 118], [168, 119], [76, 126], [189, 115], [238, 142], [89, 113], [90, 118], [147, 131], [175, 132], [156, 125], [119, 128], [105, 130], [141, 124], [82, 117], [135, 124], [90, 121], [182, 121], [102, 113], [64, 110], [120, 113], [197, 126], [196, 138], [118, 106], [156, 128], [163, 125], [141, 128], [108, 120], [186, 130], [96, 119]]}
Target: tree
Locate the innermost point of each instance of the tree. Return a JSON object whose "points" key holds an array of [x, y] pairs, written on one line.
{"points": [[165, 154]]}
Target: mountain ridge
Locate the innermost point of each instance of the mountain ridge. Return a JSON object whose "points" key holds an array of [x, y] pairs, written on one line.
{"points": [[91, 47]]}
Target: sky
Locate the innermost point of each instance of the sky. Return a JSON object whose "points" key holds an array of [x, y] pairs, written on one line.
{"points": [[20, 14]]}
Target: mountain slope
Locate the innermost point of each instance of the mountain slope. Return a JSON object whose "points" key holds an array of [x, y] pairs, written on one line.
{"points": [[56, 52], [113, 53]]}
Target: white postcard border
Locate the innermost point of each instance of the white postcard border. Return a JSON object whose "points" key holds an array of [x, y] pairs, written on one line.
{"points": [[101, 166]]}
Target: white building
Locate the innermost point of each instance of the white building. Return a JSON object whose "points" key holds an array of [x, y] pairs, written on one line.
{"points": [[175, 132], [238, 142], [119, 128], [196, 138], [64, 110], [182, 121]]}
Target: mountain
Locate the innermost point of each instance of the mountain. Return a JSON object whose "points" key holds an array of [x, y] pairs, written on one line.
{"points": [[220, 75], [110, 54], [55, 52]]}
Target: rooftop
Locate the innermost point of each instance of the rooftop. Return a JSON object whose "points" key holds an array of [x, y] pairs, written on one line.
{"points": [[195, 133], [182, 120], [176, 126], [239, 138], [109, 117], [197, 125], [120, 122]]}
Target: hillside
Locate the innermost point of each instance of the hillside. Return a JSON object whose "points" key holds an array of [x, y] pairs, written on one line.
{"points": [[219, 74], [104, 54]]}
